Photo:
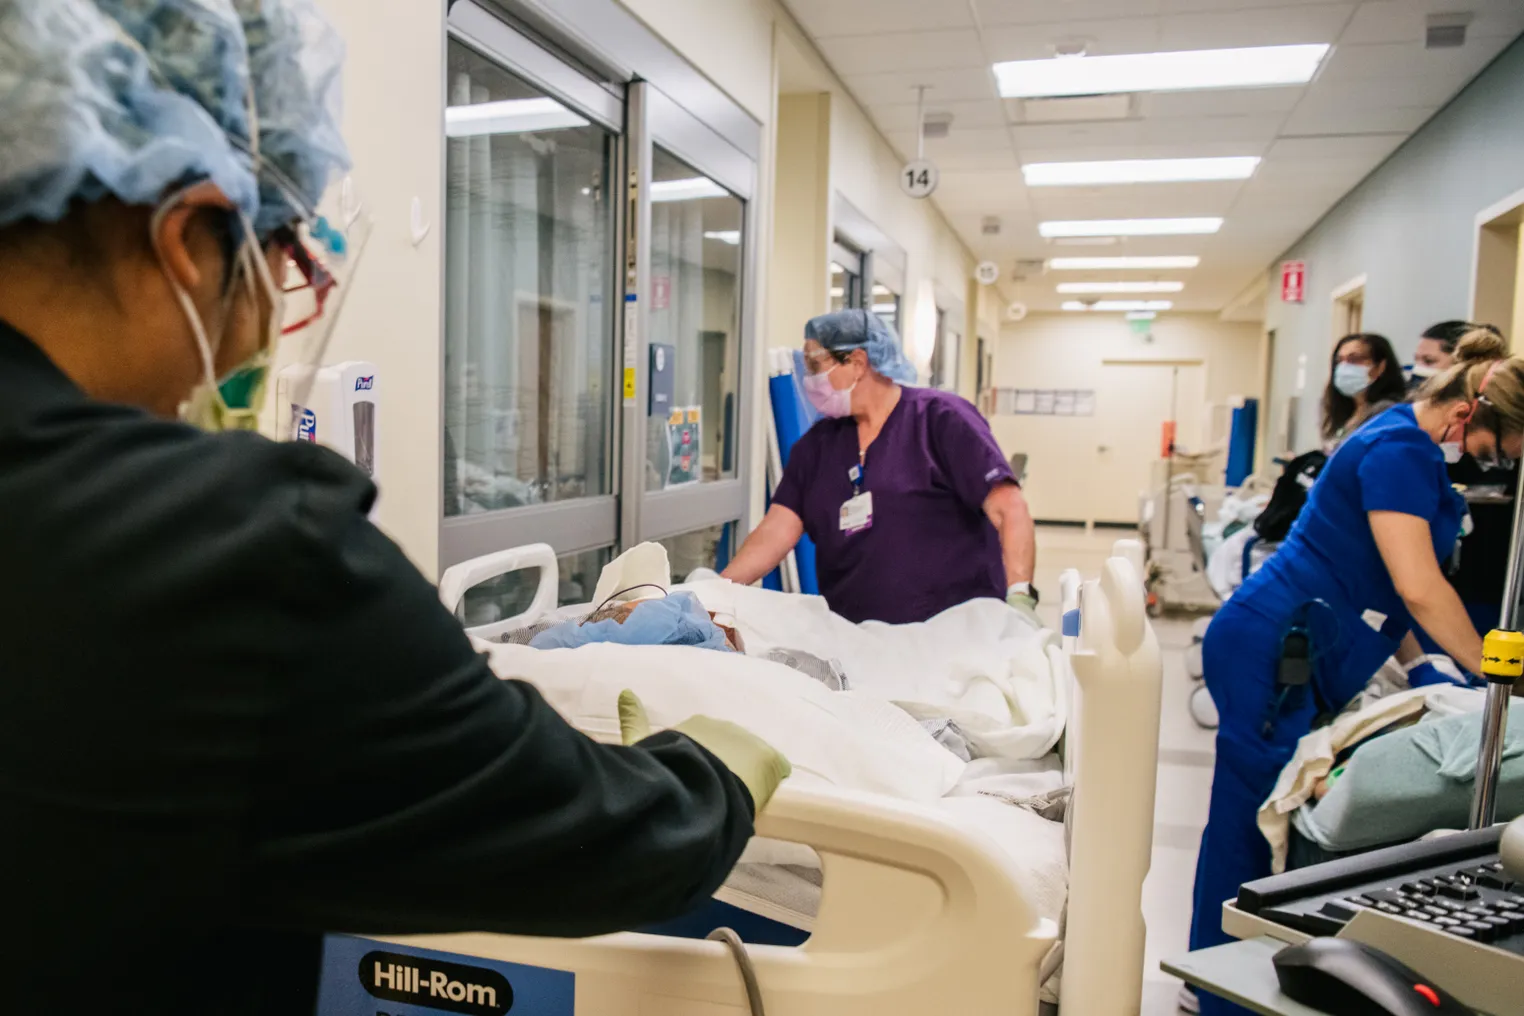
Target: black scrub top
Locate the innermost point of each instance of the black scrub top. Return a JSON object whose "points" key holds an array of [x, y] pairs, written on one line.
{"points": [[234, 716]]}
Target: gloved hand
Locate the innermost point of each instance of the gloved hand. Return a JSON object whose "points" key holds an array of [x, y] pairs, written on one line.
{"points": [[1434, 669], [757, 764], [1026, 603]]}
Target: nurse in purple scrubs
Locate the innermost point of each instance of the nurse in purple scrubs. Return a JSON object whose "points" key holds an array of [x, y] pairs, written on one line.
{"points": [[909, 501]]}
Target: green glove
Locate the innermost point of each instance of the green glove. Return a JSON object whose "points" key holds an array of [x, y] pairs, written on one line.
{"points": [[1026, 604], [757, 764]]}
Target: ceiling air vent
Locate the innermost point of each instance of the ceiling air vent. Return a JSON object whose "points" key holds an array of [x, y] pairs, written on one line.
{"points": [[937, 125], [1446, 31], [990, 226], [1074, 108]]}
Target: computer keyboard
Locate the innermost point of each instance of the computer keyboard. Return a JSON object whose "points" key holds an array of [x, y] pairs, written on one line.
{"points": [[1456, 884]]}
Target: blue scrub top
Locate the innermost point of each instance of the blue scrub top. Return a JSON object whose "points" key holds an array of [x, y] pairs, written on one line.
{"points": [[1389, 464]]}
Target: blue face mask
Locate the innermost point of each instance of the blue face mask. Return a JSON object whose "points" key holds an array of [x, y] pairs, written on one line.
{"points": [[1351, 379]]}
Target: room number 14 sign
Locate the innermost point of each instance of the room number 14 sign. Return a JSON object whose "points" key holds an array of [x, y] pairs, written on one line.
{"points": [[919, 179]]}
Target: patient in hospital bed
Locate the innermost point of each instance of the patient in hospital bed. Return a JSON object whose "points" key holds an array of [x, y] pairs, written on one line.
{"points": [[961, 713]]}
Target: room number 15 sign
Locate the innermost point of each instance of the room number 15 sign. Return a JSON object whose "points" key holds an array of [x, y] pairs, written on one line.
{"points": [[919, 179]]}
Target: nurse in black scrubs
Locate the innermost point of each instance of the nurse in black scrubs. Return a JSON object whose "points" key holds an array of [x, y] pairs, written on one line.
{"points": [[233, 716]]}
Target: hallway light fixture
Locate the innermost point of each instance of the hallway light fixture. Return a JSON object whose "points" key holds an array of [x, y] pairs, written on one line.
{"points": [[730, 236], [1250, 67], [1122, 263], [1129, 227], [1142, 315], [686, 190], [510, 116], [1120, 287], [1118, 305], [1079, 174]]}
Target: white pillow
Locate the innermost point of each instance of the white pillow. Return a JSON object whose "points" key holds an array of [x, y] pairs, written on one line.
{"points": [[842, 739]]}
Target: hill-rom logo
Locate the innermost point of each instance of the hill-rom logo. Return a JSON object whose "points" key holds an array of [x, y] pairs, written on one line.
{"points": [[435, 984]]}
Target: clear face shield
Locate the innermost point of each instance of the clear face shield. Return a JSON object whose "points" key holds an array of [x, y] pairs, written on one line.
{"points": [[304, 273]]}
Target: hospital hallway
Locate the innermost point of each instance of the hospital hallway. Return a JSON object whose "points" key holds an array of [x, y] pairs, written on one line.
{"points": [[1185, 766]]}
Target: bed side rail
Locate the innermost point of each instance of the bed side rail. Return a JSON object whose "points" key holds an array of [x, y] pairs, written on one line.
{"points": [[916, 916], [457, 580], [1114, 747]]}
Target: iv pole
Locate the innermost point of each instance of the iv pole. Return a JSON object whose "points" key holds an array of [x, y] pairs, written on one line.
{"points": [[1504, 667]]}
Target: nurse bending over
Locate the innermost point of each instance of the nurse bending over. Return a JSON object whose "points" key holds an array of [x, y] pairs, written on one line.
{"points": [[1358, 574], [910, 502]]}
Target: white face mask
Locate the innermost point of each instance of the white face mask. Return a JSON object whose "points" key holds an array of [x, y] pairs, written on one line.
{"points": [[1351, 379], [1452, 451], [1422, 371]]}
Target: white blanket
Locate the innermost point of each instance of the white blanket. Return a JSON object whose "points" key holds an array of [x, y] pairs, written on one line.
{"points": [[982, 663]]}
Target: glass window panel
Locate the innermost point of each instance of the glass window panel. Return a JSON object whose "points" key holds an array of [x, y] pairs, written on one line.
{"points": [[510, 595], [886, 304], [529, 339], [709, 548], [695, 326]]}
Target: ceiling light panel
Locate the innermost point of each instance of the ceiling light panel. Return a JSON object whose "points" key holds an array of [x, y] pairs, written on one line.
{"points": [[1254, 67], [510, 116], [1129, 227], [1119, 305], [1084, 174], [686, 190], [1122, 264], [1120, 287], [730, 236]]}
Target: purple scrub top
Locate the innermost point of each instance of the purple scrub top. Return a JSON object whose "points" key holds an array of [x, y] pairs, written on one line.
{"points": [[930, 546]]}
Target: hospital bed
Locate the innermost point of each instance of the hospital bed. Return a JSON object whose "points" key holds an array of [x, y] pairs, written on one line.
{"points": [[918, 912]]}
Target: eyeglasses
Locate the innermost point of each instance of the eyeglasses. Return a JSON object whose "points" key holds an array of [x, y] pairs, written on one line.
{"points": [[820, 363], [314, 278]]}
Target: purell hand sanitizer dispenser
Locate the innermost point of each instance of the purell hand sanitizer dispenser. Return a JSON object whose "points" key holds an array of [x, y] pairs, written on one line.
{"points": [[340, 410]]}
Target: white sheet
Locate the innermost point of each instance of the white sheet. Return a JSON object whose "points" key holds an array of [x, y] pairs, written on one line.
{"points": [[982, 663]]}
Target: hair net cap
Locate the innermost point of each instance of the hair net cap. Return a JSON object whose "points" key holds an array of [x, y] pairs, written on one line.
{"points": [[845, 330], [133, 98]]}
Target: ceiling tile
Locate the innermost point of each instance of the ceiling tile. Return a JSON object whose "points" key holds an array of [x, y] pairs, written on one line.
{"points": [[903, 51], [1214, 6], [824, 18], [1157, 201], [1337, 118], [991, 192], [1223, 102], [1037, 12], [942, 86], [1278, 26], [1363, 61], [1102, 38], [901, 116], [1374, 146], [1405, 20]]}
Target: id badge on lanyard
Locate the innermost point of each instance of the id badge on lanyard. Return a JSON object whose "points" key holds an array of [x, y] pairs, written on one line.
{"points": [[857, 511]]}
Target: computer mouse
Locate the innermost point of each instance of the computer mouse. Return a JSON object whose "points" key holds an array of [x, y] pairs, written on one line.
{"points": [[1511, 849], [1347, 978]]}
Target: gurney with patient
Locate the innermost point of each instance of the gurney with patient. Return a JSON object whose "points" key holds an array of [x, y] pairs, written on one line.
{"points": [[967, 824]]}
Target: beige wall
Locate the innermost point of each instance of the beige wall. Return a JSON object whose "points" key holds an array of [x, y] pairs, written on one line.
{"points": [[1069, 351], [395, 127], [800, 276]]}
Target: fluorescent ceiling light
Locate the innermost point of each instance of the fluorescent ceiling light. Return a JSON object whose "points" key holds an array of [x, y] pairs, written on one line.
{"points": [[511, 116], [1118, 305], [1253, 67], [686, 190], [1122, 263], [886, 308], [838, 291], [1129, 227], [1061, 174], [1120, 287], [730, 236], [1141, 315]]}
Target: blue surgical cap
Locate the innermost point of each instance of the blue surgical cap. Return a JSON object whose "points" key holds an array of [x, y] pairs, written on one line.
{"points": [[845, 330], [133, 98]]}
